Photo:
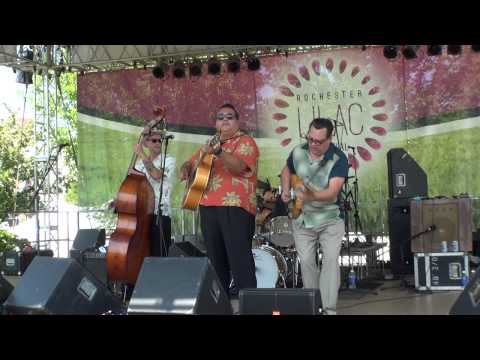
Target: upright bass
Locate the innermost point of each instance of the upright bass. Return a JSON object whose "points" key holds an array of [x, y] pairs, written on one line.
{"points": [[130, 242]]}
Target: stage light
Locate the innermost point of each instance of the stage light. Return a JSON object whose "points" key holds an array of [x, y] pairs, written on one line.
{"points": [[214, 66], [159, 70], [179, 69], [476, 48], [253, 63], [25, 77], [196, 68], [454, 49], [434, 50], [390, 51], [410, 51], [233, 64]]}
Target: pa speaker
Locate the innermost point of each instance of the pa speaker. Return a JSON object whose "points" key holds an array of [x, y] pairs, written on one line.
{"points": [[184, 248], [87, 239], [406, 179], [401, 256], [60, 286], [468, 303], [5, 289], [279, 301], [180, 285]]}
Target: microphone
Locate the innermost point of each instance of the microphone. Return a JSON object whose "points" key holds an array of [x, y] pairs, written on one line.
{"points": [[431, 228]]}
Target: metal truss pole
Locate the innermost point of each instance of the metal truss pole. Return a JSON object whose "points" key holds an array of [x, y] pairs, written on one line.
{"points": [[46, 170]]}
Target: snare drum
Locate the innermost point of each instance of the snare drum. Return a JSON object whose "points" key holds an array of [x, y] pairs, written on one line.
{"points": [[270, 266], [281, 231]]}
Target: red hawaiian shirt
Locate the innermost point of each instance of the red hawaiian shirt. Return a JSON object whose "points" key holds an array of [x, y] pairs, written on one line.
{"points": [[226, 189]]}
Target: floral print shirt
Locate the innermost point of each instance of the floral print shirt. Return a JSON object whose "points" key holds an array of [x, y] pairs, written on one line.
{"points": [[226, 189]]}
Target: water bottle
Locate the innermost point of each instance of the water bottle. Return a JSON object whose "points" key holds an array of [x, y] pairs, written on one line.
{"points": [[464, 278], [352, 279]]}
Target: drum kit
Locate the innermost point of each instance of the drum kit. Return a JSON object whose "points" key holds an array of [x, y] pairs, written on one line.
{"points": [[273, 246]]}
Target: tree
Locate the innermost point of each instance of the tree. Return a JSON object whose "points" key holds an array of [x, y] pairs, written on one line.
{"points": [[16, 166], [66, 134]]}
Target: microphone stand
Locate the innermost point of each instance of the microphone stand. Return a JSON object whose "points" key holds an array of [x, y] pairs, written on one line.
{"points": [[164, 250]]}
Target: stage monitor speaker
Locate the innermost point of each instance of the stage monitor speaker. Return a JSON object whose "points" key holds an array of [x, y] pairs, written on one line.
{"points": [[279, 301], [178, 285], [468, 303], [87, 239], [5, 289], [401, 256], [95, 262], [184, 248], [406, 179], [60, 286]]}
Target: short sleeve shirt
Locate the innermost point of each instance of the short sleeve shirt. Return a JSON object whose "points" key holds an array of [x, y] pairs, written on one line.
{"points": [[227, 189]]}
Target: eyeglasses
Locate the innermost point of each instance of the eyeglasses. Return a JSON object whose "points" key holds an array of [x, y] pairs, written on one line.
{"points": [[155, 141], [315, 141], [228, 116]]}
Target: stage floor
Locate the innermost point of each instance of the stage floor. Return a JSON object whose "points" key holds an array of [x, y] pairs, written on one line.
{"points": [[391, 298]]}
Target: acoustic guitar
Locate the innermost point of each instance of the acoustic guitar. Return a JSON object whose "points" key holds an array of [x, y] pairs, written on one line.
{"points": [[198, 181]]}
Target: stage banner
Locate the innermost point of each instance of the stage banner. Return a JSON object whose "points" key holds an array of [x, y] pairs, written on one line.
{"points": [[428, 105]]}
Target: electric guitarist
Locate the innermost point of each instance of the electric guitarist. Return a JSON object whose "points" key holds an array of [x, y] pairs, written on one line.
{"points": [[228, 204], [322, 168]]}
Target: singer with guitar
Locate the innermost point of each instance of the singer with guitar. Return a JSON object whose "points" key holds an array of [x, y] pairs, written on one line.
{"points": [[316, 171], [228, 204]]}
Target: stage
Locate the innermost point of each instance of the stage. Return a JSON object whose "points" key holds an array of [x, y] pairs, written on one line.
{"points": [[390, 298]]}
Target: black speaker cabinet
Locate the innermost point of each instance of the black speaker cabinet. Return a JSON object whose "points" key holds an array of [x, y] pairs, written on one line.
{"points": [[406, 179], [5, 289], [14, 263], [279, 301], [87, 239], [184, 248], [180, 285], [468, 303], [95, 262], [60, 286], [401, 256]]}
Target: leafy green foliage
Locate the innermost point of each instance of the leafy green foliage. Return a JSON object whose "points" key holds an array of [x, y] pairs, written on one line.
{"points": [[9, 241], [66, 133], [16, 166]]}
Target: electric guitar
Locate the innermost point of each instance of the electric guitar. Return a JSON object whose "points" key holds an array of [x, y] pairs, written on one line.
{"points": [[198, 180], [296, 208]]}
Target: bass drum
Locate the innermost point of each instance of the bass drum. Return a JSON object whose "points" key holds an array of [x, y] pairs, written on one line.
{"points": [[270, 267]]}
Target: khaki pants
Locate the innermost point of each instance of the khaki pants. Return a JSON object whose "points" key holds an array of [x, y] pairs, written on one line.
{"points": [[329, 235]]}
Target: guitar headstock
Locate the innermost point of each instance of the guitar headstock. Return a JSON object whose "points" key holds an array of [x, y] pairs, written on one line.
{"points": [[158, 124]]}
